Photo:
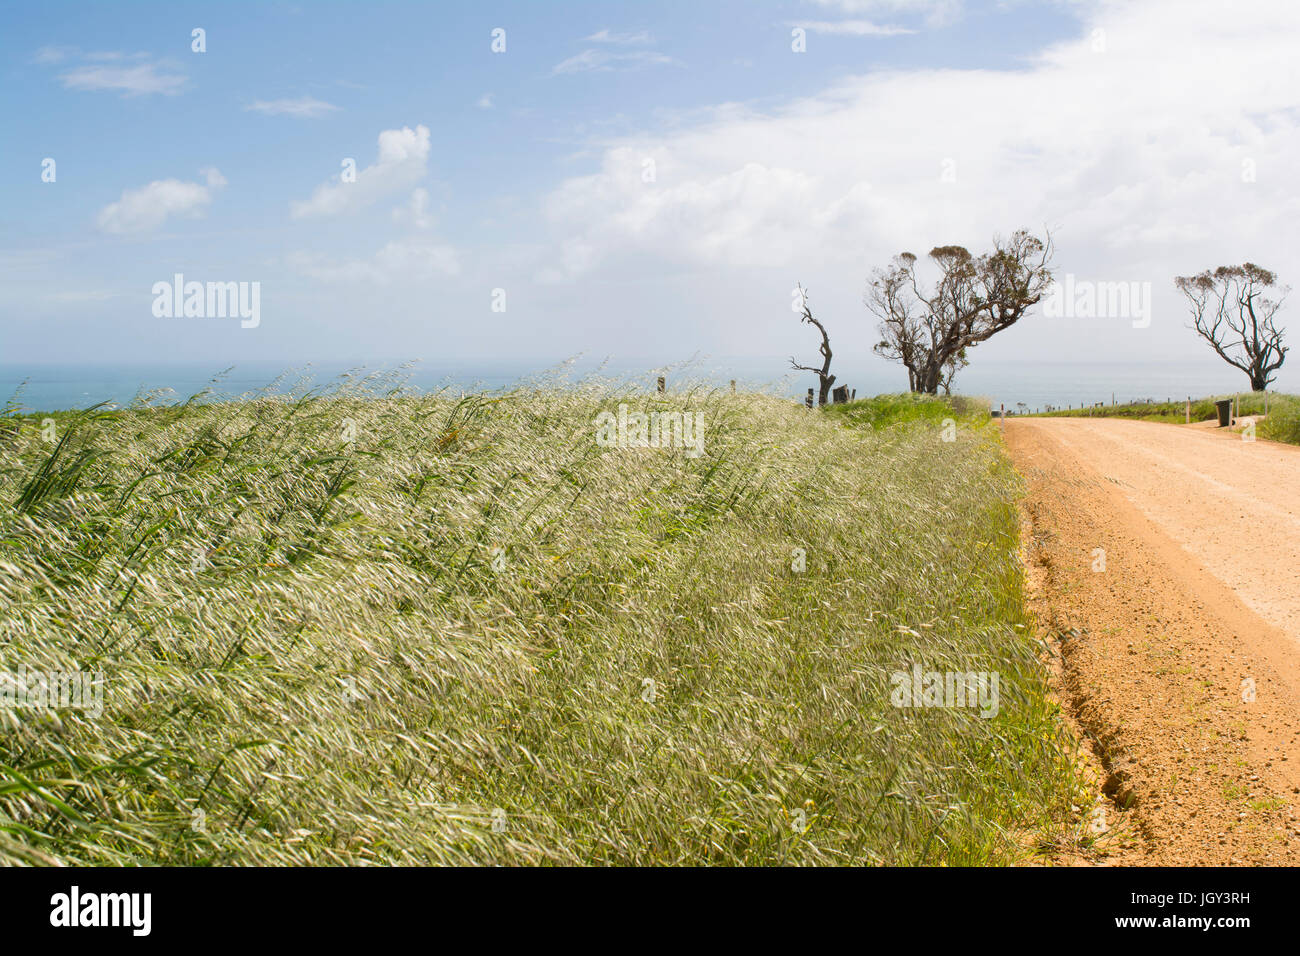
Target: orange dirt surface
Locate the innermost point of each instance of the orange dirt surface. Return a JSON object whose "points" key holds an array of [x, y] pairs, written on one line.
{"points": [[1164, 568]]}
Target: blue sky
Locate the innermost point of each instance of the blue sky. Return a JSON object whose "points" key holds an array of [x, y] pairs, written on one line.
{"points": [[525, 170]]}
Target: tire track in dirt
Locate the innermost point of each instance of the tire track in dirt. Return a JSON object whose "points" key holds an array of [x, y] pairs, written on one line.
{"points": [[1178, 661]]}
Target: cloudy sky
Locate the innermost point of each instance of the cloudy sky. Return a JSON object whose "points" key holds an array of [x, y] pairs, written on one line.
{"points": [[639, 179]]}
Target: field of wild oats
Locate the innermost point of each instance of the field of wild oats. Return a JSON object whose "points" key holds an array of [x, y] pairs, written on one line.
{"points": [[344, 627]]}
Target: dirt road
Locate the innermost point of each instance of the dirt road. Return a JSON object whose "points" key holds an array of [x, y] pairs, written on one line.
{"points": [[1164, 564]]}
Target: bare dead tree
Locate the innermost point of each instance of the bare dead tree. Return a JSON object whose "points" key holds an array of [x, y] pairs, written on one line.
{"points": [[973, 299], [1232, 311], [823, 374]]}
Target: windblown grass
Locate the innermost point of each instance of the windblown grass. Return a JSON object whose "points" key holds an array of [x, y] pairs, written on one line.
{"points": [[470, 635]]}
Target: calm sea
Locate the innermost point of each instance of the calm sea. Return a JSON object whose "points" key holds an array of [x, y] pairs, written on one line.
{"points": [[1036, 384]]}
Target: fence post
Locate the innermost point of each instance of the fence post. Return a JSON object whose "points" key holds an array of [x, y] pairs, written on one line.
{"points": [[808, 401], [661, 383], [1189, 409], [733, 386]]}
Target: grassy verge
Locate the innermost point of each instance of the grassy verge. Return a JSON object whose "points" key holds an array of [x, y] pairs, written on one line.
{"points": [[911, 408], [1282, 423], [341, 629]]}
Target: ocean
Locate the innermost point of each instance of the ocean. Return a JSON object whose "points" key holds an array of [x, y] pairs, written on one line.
{"points": [[52, 387]]}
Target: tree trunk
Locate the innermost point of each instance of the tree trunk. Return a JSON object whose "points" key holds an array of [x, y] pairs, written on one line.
{"points": [[926, 380], [823, 396]]}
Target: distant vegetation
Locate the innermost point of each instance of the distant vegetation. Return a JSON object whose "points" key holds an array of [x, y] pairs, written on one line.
{"points": [[911, 407], [345, 629], [1282, 423]]}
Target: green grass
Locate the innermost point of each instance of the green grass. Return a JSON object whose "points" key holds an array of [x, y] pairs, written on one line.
{"points": [[1282, 423], [910, 407], [436, 643]]}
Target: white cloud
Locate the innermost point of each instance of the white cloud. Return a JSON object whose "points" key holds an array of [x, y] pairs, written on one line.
{"points": [[1134, 156], [857, 28], [601, 59], [47, 55], [402, 161], [115, 56], [399, 260], [641, 38], [145, 209], [484, 102], [753, 214], [604, 61], [138, 79], [417, 258], [935, 13], [416, 212], [304, 107]]}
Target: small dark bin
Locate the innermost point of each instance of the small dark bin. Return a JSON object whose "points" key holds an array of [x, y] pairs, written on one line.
{"points": [[1225, 412]]}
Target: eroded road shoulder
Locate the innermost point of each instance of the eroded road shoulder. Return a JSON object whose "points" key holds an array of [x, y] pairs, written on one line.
{"points": [[1188, 696]]}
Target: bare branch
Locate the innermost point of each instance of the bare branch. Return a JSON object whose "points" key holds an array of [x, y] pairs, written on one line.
{"points": [[824, 376], [1232, 312]]}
